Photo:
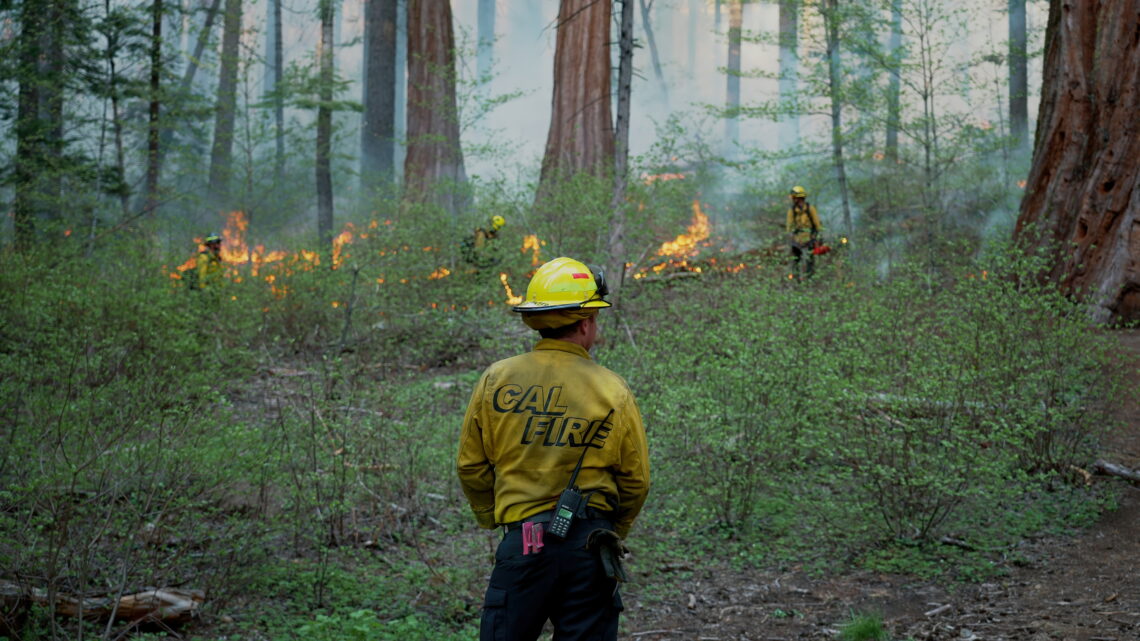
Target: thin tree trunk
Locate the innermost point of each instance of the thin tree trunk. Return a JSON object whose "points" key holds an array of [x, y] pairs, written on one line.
{"points": [[621, 144], [377, 139], [324, 126], [663, 86], [835, 88], [59, 17], [732, 88], [1018, 76], [276, 76], [486, 49], [433, 167], [789, 70], [894, 108], [29, 160], [1082, 197], [581, 134], [221, 155], [153, 131], [188, 76]]}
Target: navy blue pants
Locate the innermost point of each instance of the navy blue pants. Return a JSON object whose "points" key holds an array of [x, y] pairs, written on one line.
{"points": [[563, 583]]}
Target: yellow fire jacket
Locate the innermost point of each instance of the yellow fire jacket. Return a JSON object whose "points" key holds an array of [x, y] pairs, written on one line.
{"points": [[209, 270], [804, 221], [526, 424]]}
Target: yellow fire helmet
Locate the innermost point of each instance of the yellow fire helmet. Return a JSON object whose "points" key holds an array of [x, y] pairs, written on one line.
{"points": [[799, 192], [212, 238], [497, 222], [565, 283]]}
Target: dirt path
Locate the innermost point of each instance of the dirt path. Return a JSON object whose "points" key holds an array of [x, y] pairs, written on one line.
{"points": [[1085, 588]]}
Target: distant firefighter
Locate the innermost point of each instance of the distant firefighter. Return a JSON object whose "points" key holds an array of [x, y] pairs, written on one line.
{"points": [[478, 250], [805, 230], [207, 271]]}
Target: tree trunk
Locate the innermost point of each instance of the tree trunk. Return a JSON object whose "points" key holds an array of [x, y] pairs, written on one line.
{"points": [[153, 133], [377, 136], [1018, 76], [433, 167], [789, 69], [581, 134], [1083, 191], [276, 62], [325, 61], [621, 145], [29, 160], [835, 89], [486, 50], [732, 88], [188, 78], [662, 85], [221, 155], [894, 103]]}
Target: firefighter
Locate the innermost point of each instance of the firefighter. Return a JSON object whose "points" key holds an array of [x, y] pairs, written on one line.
{"points": [[208, 270], [805, 230], [477, 248], [531, 420]]}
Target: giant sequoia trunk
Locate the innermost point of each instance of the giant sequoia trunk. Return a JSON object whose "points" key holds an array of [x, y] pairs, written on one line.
{"points": [[433, 167], [581, 135], [1083, 191]]}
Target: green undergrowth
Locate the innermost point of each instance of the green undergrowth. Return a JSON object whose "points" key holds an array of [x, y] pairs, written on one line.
{"points": [[294, 458]]}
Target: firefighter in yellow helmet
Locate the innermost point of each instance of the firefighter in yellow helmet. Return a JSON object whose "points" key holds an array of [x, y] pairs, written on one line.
{"points": [[553, 451], [208, 269], [478, 249], [804, 229]]}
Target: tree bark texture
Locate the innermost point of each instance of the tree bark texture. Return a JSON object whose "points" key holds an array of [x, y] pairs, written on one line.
{"points": [[732, 83], [433, 167], [894, 84], [831, 26], [327, 10], [581, 135], [153, 134], [378, 131], [221, 154], [1018, 75], [486, 32], [789, 69], [278, 61], [616, 249], [1083, 190]]}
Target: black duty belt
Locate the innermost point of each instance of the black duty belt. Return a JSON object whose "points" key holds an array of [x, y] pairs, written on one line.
{"points": [[544, 517]]}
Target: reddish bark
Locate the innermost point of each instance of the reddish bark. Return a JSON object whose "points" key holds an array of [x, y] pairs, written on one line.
{"points": [[1082, 191], [581, 136], [433, 167]]}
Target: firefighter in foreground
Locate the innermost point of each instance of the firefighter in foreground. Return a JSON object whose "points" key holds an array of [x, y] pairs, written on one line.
{"points": [[554, 452], [208, 269], [805, 229], [478, 249]]}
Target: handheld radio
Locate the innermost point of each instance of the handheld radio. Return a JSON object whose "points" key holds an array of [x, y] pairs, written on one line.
{"points": [[572, 502]]}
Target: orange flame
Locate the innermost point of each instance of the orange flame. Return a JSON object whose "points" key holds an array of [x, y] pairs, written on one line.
{"points": [[649, 179], [533, 244], [439, 273], [685, 245], [1021, 183], [511, 298]]}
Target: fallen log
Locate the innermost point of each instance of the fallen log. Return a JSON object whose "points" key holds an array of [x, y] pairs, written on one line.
{"points": [[167, 605], [1112, 469]]}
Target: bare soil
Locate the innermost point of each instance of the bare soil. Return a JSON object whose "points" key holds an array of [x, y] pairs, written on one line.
{"points": [[1080, 588]]}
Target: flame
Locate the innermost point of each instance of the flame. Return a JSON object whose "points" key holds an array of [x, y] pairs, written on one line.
{"points": [[439, 273], [343, 238], [511, 298], [533, 244], [649, 179], [1021, 183], [685, 245]]}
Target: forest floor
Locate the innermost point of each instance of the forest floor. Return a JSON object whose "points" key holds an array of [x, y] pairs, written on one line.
{"points": [[1080, 588]]}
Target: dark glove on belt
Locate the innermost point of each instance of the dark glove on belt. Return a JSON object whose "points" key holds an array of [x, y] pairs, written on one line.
{"points": [[612, 550]]}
